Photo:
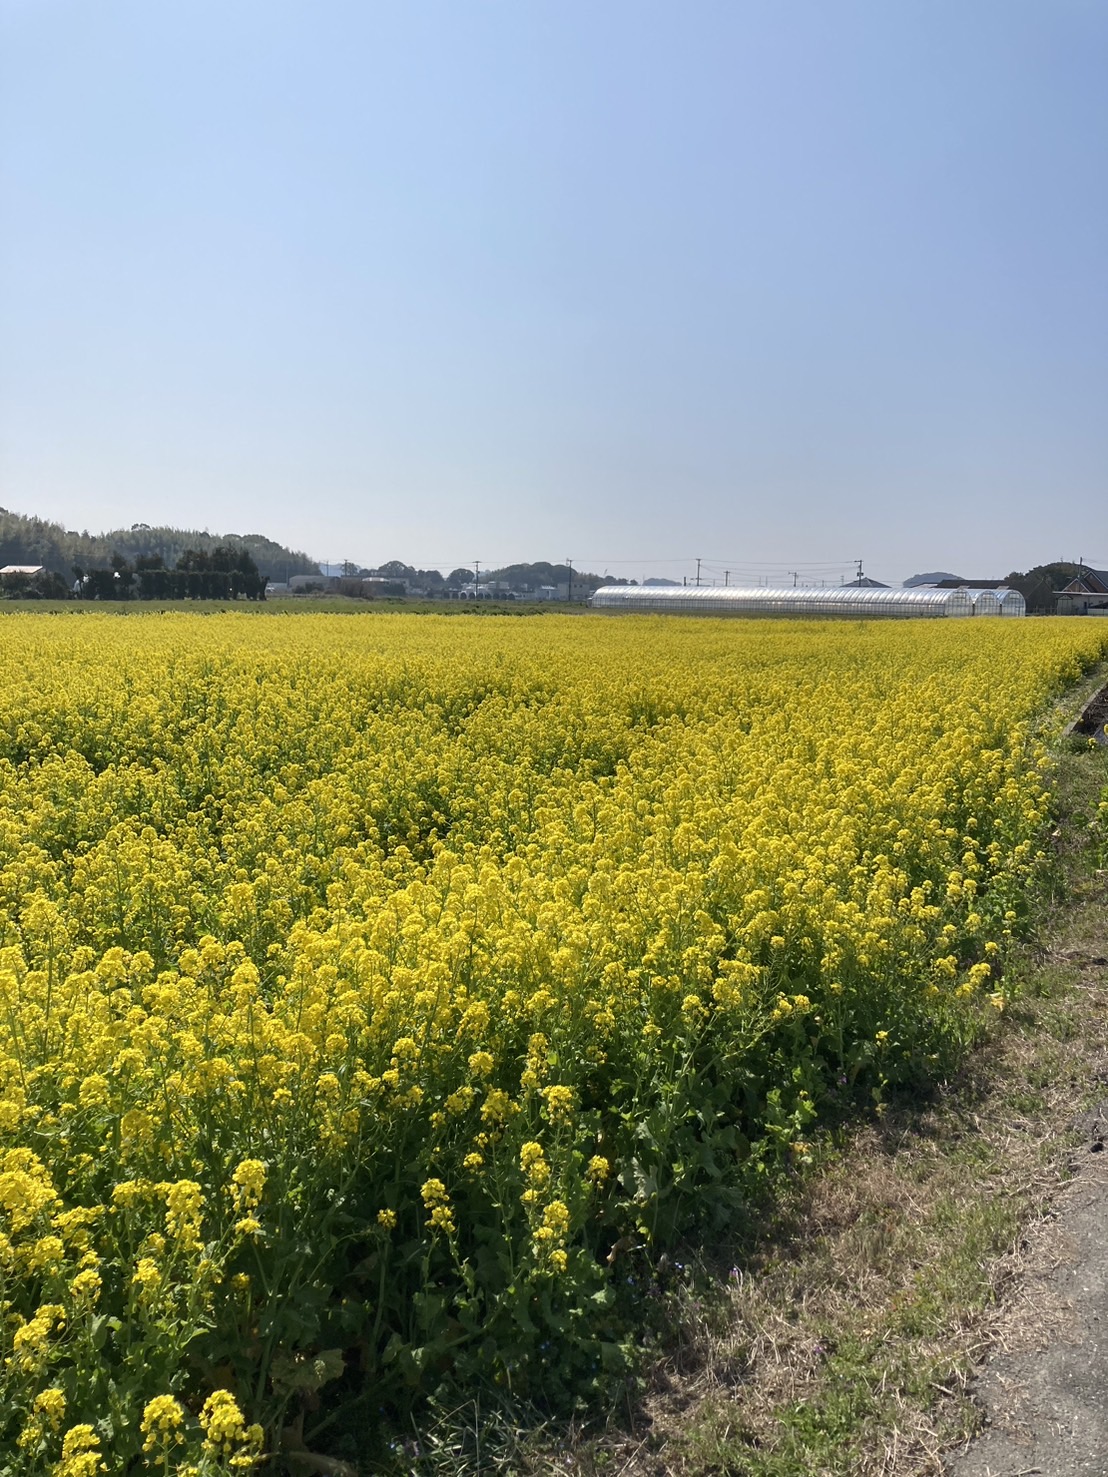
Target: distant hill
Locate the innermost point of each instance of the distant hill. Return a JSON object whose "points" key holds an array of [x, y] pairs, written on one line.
{"points": [[26, 540], [519, 577], [542, 572], [932, 579]]}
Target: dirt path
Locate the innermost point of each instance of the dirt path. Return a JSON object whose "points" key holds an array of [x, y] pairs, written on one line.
{"points": [[1042, 1391]]}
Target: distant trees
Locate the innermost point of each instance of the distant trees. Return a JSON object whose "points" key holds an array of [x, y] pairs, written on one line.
{"points": [[102, 584], [224, 573], [45, 585], [25, 540], [424, 579], [1039, 586], [395, 569]]}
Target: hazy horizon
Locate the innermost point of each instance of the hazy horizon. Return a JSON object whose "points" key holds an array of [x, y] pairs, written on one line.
{"points": [[690, 570], [778, 288]]}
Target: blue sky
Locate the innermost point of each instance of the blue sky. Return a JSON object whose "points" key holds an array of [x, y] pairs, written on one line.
{"points": [[779, 285]]}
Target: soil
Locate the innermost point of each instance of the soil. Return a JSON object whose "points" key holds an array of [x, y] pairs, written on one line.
{"points": [[1093, 722]]}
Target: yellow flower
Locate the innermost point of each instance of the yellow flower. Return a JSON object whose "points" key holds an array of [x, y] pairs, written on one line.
{"points": [[460, 1100], [51, 1404], [45, 1254], [85, 1287], [162, 1420], [249, 1182], [80, 1453], [556, 1217], [598, 1169], [437, 1202], [559, 1103], [496, 1106], [94, 1092], [130, 1192], [530, 1154], [226, 1433], [184, 1212], [336, 887], [30, 1340], [442, 1219]]}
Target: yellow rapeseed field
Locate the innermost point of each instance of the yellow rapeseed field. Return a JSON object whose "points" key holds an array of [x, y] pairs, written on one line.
{"points": [[379, 995]]}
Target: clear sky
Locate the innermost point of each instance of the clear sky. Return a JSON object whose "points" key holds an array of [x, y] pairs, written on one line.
{"points": [[776, 283]]}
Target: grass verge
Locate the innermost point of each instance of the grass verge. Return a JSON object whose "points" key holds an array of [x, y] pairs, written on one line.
{"points": [[839, 1340]]}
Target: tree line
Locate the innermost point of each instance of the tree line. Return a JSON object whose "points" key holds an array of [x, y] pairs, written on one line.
{"points": [[224, 573], [29, 540]]}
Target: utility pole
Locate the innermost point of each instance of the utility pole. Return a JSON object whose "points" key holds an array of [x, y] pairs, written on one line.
{"points": [[795, 577], [569, 588], [476, 576], [858, 562], [726, 576], [698, 574]]}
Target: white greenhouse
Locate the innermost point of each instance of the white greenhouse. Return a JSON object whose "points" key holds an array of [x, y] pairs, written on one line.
{"points": [[985, 602], [1011, 602], [837, 601]]}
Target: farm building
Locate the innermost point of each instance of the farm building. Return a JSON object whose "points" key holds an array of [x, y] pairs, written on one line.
{"points": [[840, 601], [1085, 595], [308, 584]]}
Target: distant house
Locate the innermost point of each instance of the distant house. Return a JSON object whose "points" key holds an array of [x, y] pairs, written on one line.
{"points": [[379, 587], [865, 583], [27, 569], [1085, 595], [307, 584]]}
